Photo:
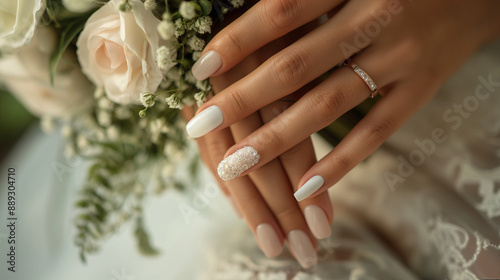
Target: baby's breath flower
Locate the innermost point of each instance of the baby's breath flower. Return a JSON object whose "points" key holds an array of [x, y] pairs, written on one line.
{"points": [[168, 168], [187, 10], [164, 57], [203, 85], [200, 98], [166, 16], [150, 5], [196, 55], [69, 151], [174, 102], [66, 131], [189, 77], [174, 74], [156, 128], [189, 24], [203, 25], [180, 28], [47, 124], [99, 92], [104, 118], [113, 133], [237, 3], [147, 99], [166, 30], [122, 112], [104, 103], [171, 150], [125, 7], [195, 43], [82, 142]]}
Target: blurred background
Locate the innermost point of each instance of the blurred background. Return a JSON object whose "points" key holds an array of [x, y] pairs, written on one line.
{"points": [[14, 120]]}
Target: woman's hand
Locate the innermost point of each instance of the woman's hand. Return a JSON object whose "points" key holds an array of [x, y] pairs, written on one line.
{"points": [[408, 48], [266, 196]]}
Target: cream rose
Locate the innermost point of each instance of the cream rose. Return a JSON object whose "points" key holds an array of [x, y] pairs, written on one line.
{"points": [[117, 51], [18, 19], [26, 75]]}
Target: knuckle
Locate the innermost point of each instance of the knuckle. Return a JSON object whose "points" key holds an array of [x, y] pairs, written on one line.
{"points": [[233, 40], [290, 68], [282, 14], [271, 139], [238, 102], [328, 105], [377, 132], [342, 163]]}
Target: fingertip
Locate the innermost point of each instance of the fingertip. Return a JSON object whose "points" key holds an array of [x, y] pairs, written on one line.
{"points": [[207, 65], [310, 187]]}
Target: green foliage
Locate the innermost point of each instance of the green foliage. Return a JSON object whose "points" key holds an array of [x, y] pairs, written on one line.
{"points": [[68, 33], [206, 7]]}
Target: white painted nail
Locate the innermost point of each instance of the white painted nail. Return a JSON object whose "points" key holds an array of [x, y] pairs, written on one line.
{"points": [[206, 65], [206, 121], [310, 187], [235, 207], [268, 240], [302, 248], [317, 221], [237, 163]]}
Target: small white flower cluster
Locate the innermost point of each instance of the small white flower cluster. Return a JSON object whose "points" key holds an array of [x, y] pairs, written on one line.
{"points": [[166, 29], [200, 98], [147, 99], [237, 3], [180, 28], [174, 102], [150, 5], [195, 43], [164, 58], [203, 25], [187, 10]]}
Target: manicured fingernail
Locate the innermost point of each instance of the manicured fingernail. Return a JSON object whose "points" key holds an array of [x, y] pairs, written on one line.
{"points": [[205, 121], [310, 187], [268, 240], [302, 248], [237, 163], [317, 221], [235, 207], [208, 64]]}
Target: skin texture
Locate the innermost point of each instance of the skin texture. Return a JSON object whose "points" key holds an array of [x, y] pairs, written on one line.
{"points": [[265, 196], [409, 48]]}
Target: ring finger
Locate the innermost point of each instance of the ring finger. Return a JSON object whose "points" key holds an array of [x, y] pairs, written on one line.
{"points": [[341, 91]]}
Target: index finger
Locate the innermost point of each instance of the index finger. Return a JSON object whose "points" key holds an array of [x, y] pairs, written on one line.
{"points": [[264, 22]]}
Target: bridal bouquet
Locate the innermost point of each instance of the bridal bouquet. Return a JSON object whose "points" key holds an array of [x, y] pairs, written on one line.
{"points": [[114, 75]]}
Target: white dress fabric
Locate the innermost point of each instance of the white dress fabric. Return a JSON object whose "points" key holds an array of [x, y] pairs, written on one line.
{"points": [[438, 217]]}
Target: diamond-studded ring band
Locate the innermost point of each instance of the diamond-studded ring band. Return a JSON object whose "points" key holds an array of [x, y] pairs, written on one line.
{"points": [[364, 76]]}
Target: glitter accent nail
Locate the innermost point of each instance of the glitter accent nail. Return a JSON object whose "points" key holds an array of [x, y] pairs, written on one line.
{"points": [[237, 163]]}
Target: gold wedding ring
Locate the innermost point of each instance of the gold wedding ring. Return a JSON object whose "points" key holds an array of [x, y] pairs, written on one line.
{"points": [[364, 76]]}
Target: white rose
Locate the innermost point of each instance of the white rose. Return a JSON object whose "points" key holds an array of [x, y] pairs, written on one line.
{"points": [[79, 6], [18, 19], [117, 50], [26, 75]]}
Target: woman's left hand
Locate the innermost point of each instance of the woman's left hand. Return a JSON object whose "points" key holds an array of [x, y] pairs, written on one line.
{"points": [[408, 48]]}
